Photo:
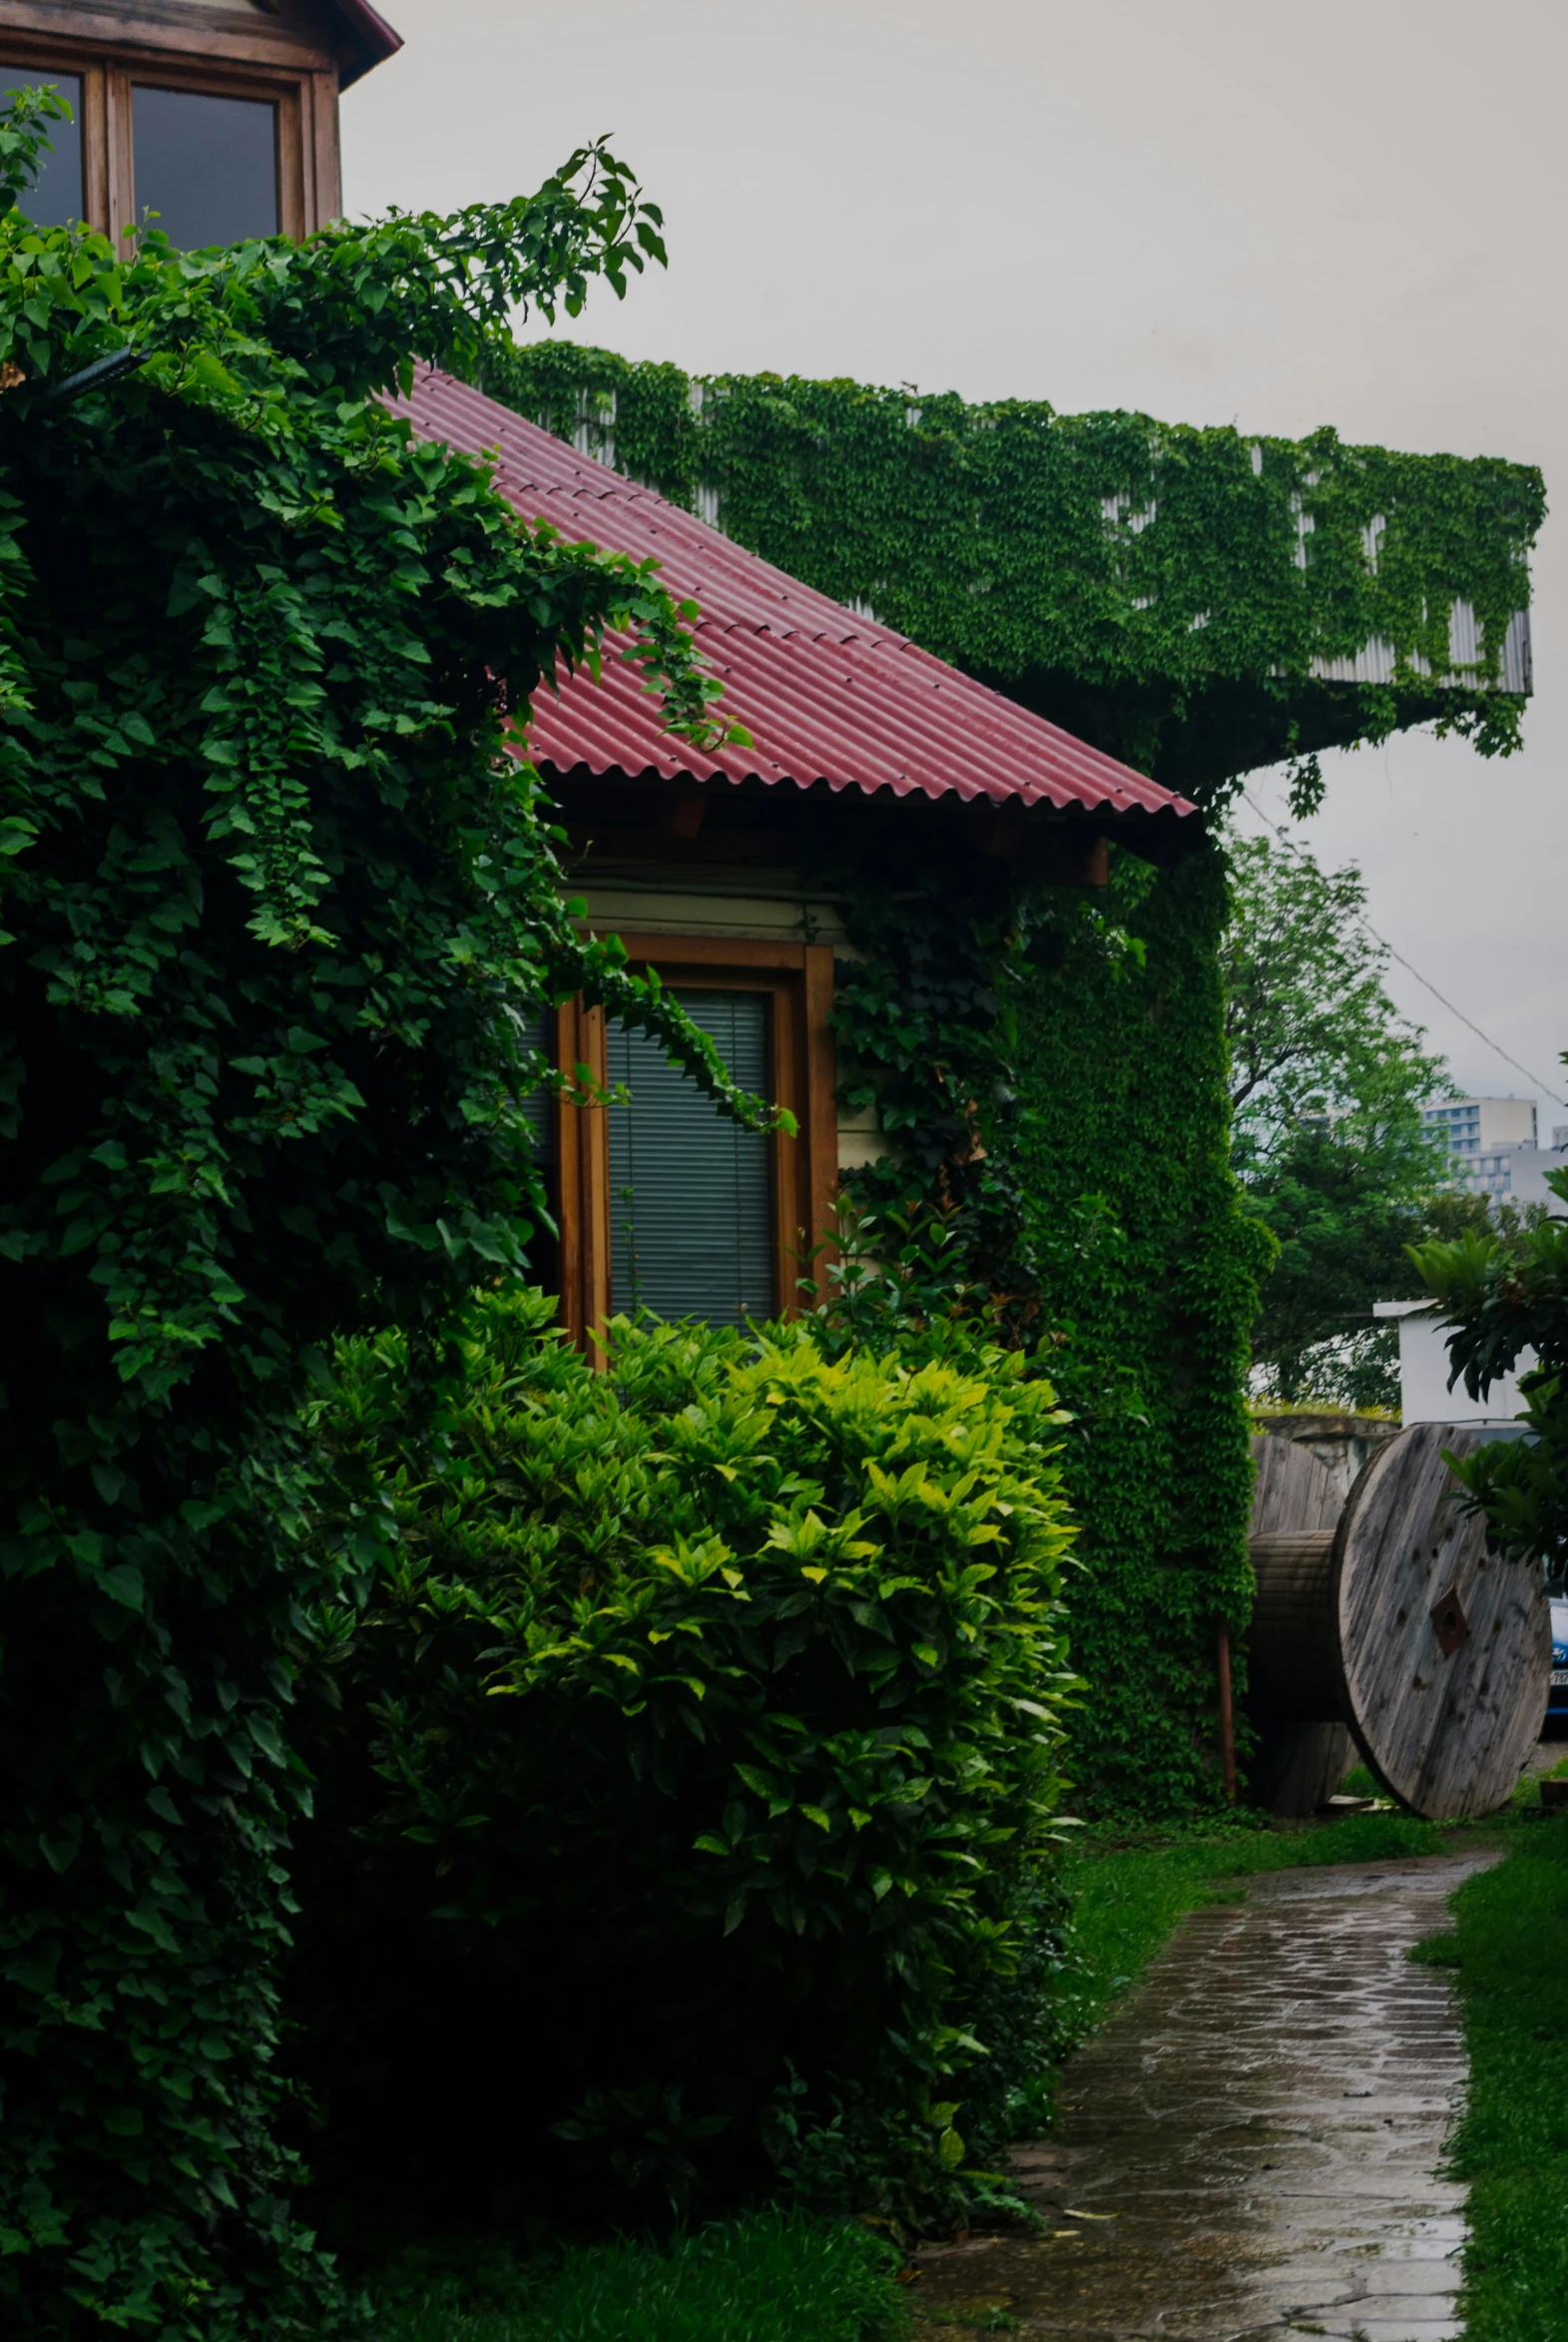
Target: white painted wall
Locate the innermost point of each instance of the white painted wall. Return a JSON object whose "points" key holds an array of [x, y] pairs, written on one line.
{"points": [[1425, 1395]]}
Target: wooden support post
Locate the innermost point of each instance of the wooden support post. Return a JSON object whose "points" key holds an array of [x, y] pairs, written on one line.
{"points": [[1226, 1718]]}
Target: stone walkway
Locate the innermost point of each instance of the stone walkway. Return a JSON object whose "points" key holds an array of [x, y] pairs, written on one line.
{"points": [[1251, 2146]]}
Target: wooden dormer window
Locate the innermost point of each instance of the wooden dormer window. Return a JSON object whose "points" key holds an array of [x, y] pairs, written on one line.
{"points": [[219, 115]]}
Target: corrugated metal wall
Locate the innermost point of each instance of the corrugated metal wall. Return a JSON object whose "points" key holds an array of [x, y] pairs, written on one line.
{"points": [[1373, 663]]}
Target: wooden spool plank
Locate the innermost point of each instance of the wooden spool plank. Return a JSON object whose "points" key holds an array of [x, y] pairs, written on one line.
{"points": [[1301, 1758], [1291, 1488], [1317, 1758], [1446, 1730], [1293, 1643]]}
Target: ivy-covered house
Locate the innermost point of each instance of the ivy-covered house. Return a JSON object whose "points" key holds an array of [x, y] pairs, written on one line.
{"points": [[961, 918], [1045, 1051], [890, 910], [758, 880]]}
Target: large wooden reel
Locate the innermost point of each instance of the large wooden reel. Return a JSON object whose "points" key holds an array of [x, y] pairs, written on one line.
{"points": [[1398, 1623], [1299, 1761]]}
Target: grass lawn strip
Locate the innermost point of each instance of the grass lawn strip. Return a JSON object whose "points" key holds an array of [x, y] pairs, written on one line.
{"points": [[770, 2278], [1510, 1950]]}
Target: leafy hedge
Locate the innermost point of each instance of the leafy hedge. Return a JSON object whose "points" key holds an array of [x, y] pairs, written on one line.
{"points": [[271, 897], [687, 1789]]}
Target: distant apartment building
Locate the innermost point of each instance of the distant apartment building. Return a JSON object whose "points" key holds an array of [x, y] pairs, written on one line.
{"points": [[1493, 1146]]}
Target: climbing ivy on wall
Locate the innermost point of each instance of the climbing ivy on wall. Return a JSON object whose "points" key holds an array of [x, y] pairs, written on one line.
{"points": [[1151, 1271], [1161, 589], [276, 907], [1050, 1067]]}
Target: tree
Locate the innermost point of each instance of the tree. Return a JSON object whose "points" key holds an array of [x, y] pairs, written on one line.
{"points": [[1506, 1292], [1328, 1085], [280, 909]]}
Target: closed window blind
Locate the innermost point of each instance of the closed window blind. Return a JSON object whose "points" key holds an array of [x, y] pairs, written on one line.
{"points": [[690, 1192], [538, 1107]]}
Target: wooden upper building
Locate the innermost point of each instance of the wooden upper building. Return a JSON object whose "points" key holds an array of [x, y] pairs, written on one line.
{"points": [[219, 115]]}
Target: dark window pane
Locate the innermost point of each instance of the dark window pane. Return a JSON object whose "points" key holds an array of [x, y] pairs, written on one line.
{"points": [[207, 166], [690, 1192], [57, 193], [539, 1105]]}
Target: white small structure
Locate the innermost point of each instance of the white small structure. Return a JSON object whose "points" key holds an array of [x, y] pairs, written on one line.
{"points": [[1425, 1395]]}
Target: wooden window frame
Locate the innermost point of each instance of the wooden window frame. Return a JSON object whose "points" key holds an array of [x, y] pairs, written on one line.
{"points": [[799, 981], [281, 90], [308, 178]]}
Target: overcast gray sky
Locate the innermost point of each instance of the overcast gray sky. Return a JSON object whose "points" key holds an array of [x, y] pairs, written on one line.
{"points": [[1216, 210]]}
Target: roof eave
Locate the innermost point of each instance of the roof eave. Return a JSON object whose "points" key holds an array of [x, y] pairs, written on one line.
{"points": [[372, 41], [1162, 836]]}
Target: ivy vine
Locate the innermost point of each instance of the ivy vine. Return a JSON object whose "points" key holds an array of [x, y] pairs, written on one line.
{"points": [[1164, 590], [277, 914]]}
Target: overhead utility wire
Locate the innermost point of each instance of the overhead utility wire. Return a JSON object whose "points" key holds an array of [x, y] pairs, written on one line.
{"points": [[1497, 1048]]}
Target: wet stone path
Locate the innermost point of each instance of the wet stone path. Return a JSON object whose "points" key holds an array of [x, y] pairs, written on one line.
{"points": [[1251, 2145]]}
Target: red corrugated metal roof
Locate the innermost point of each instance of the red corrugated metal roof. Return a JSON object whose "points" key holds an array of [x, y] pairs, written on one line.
{"points": [[826, 695]]}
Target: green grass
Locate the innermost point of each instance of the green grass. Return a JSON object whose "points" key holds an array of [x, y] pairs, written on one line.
{"points": [[770, 2278], [1510, 1950]]}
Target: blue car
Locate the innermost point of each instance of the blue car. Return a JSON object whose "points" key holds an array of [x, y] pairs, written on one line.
{"points": [[1557, 1697]]}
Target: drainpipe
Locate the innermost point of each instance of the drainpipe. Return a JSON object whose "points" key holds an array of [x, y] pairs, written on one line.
{"points": [[1227, 1719]]}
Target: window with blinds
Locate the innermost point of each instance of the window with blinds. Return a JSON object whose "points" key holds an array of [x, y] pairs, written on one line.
{"points": [[690, 1192], [544, 1249], [538, 1107]]}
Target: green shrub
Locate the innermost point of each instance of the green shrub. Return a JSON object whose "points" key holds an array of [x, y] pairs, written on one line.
{"points": [[691, 1795]]}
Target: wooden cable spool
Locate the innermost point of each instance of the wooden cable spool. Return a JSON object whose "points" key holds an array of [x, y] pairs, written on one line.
{"points": [[1300, 1760], [1394, 1624]]}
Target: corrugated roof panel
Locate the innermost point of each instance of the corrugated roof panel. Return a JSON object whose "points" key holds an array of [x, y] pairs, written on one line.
{"points": [[826, 695]]}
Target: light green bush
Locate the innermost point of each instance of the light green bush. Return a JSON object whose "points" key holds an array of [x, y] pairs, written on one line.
{"points": [[693, 1794]]}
